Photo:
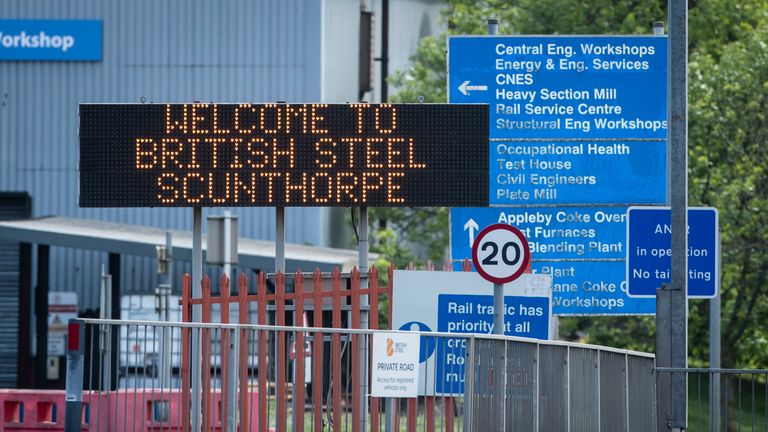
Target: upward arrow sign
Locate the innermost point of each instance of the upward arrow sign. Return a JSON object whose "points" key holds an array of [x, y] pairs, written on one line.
{"points": [[472, 226]]}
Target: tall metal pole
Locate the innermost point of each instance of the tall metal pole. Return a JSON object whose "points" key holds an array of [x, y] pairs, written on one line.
{"points": [[104, 331], [228, 245], [663, 324], [364, 316], [280, 267], [714, 356], [232, 366], [197, 313], [279, 239], [169, 270], [498, 289], [166, 342], [498, 309], [673, 336]]}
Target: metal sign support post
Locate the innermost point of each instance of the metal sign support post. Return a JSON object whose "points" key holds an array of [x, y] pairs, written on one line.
{"points": [[498, 309], [498, 289], [228, 246], [166, 341], [279, 239], [714, 363], [672, 300], [280, 267], [714, 356], [105, 334], [228, 259], [364, 316], [678, 133], [197, 313]]}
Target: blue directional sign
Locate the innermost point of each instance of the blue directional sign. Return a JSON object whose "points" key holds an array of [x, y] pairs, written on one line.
{"points": [[649, 251], [584, 89], [592, 288], [583, 248], [632, 172], [50, 40], [563, 87], [553, 233]]}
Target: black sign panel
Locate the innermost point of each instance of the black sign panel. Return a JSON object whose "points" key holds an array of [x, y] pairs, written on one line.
{"points": [[206, 155]]}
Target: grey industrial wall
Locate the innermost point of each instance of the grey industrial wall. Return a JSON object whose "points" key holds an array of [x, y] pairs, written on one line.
{"points": [[160, 50]]}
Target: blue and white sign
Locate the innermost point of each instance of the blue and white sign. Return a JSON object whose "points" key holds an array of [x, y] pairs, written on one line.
{"points": [[581, 288], [631, 172], [457, 302], [573, 88], [50, 40], [649, 251], [563, 87], [553, 233], [582, 248]]}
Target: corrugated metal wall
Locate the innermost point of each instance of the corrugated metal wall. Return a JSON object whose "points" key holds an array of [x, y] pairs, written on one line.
{"points": [[160, 50]]}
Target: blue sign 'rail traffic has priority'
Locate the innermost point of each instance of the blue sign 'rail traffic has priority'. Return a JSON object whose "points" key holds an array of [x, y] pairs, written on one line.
{"points": [[458, 302], [649, 251]]}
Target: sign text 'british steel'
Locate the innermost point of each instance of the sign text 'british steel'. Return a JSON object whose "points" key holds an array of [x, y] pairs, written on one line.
{"points": [[187, 155]]}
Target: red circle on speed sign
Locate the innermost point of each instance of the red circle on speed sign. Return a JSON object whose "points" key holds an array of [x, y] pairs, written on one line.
{"points": [[500, 253]]}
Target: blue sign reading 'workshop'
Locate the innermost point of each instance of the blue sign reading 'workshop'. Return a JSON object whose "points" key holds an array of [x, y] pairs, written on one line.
{"points": [[649, 251], [563, 87], [50, 40], [523, 316]]}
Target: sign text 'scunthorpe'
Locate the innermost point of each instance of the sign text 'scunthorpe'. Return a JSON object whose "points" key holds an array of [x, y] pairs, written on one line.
{"points": [[187, 155]]}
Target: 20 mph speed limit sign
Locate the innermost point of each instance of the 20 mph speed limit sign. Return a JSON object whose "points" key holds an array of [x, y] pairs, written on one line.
{"points": [[500, 253]]}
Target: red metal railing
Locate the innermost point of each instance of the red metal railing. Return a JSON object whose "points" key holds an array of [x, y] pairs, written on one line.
{"points": [[280, 299], [340, 298]]}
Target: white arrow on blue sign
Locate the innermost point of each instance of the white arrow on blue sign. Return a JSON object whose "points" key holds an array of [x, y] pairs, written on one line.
{"points": [[465, 88], [649, 251]]}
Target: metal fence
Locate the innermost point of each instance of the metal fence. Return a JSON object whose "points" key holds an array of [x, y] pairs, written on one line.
{"points": [[720, 400], [556, 386], [515, 384]]}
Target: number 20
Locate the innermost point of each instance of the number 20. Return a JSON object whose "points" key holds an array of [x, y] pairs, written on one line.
{"points": [[490, 259]]}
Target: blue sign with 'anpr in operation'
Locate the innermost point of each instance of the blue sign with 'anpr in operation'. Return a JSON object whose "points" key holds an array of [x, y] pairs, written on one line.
{"points": [[649, 251], [573, 119]]}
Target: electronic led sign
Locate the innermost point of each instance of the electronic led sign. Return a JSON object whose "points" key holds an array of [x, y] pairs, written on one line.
{"points": [[208, 155]]}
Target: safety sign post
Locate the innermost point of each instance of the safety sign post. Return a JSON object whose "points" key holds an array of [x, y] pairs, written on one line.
{"points": [[500, 254]]}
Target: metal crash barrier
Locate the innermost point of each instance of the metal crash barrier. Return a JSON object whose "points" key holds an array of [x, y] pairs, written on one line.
{"points": [[514, 384], [520, 385]]}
